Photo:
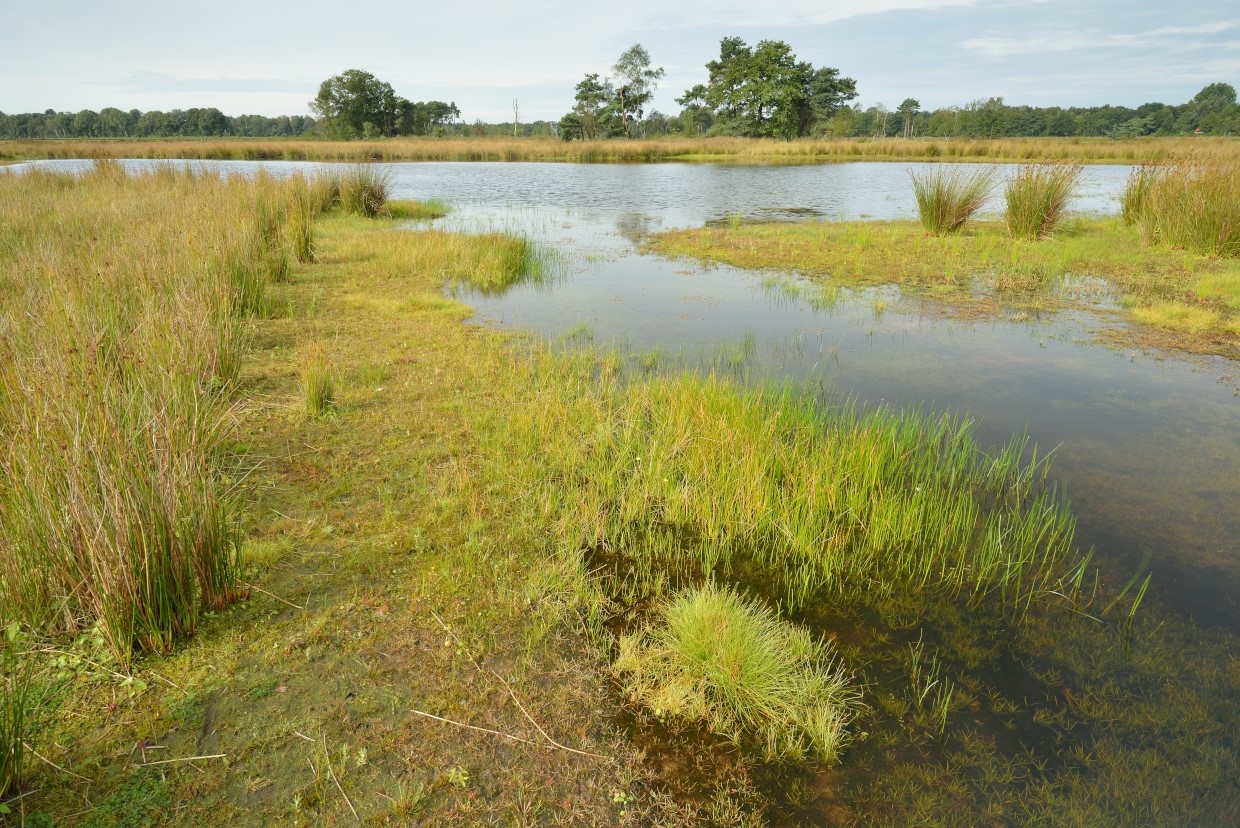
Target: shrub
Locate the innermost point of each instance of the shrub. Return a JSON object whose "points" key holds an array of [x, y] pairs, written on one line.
{"points": [[729, 662]]}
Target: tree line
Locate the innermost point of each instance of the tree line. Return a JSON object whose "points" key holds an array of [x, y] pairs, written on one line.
{"points": [[1212, 111], [759, 91], [178, 123]]}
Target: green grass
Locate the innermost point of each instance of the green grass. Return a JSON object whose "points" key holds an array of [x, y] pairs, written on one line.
{"points": [[417, 210], [116, 512], [947, 199], [317, 386], [983, 270], [464, 533], [1192, 204], [691, 475], [1036, 197], [725, 660]]}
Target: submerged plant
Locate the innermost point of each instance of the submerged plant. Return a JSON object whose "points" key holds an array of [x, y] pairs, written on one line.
{"points": [[946, 200], [727, 661], [1036, 197]]}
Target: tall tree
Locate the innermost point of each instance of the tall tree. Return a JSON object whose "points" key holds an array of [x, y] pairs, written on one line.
{"points": [[592, 97], [635, 85], [909, 108], [349, 101], [766, 91]]}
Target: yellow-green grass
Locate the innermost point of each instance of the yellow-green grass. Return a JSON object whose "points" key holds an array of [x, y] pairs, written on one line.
{"points": [[743, 150], [947, 199], [984, 255], [421, 551], [1192, 203], [407, 209], [1036, 197], [717, 657], [317, 386], [123, 305]]}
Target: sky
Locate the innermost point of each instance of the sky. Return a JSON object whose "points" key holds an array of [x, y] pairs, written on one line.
{"points": [[269, 58]]}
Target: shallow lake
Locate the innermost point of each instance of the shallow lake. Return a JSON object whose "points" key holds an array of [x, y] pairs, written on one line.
{"points": [[1147, 447], [1147, 443]]}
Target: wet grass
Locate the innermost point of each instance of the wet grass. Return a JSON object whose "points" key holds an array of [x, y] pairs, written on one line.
{"points": [[1036, 197], [717, 657], [1193, 204], [462, 535], [946, 199], [983, 270], [739, 150]]}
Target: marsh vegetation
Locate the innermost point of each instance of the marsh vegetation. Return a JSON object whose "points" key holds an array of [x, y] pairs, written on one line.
{"points": [[487, 576]]}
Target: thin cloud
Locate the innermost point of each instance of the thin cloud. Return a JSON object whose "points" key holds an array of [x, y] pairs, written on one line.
{"points": [[1002, 47]]}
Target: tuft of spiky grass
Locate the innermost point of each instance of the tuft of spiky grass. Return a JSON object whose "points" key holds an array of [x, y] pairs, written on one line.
{"points": [[947, 199], [727, 661], [302, 208], [315, 375], [1193, 204], [1036, 197], [494, 268], [364, 190]]}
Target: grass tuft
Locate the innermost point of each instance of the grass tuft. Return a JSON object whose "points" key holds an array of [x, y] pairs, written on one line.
{"points": [[315, 374], [728, 661], [1193, 204], [1036, 197], [364, 191], [947, 199]]}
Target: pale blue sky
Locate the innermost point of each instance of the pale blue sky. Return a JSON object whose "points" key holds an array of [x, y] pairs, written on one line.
{"points": [[269, 57]]}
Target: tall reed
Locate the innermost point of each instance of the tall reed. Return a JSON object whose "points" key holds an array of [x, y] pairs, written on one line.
{"points": [[364, 190], [1036, 197], [122, 305], [947, 199], [1192, 204]]}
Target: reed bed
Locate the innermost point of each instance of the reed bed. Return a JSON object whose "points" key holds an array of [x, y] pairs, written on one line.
{"points": [[671, 148], [1036, 197], [691, 477], [728, 661], [122, 312], [947, 199], [1192, 204]]}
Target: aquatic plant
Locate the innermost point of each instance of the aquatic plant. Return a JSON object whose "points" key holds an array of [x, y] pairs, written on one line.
{"points": [[1192, 204], [717, 657], [947, 199], [364, 190], [1036, 197]]}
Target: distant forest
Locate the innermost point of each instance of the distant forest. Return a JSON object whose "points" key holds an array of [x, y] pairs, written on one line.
{"points": [[1213, 111]]}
